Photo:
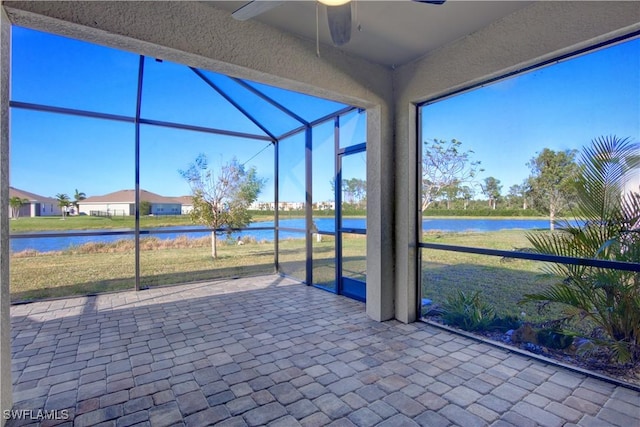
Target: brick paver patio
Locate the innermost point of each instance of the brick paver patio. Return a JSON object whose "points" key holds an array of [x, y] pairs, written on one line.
{"points": [[268, 351]]}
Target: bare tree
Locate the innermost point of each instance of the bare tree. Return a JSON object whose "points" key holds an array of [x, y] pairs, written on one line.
{"points": [[221, 198], [445, 165]]}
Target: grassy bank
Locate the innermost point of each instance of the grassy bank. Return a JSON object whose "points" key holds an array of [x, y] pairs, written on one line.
{"points": [[102, 267], [85, 222], [95, 268], [484, 212]]}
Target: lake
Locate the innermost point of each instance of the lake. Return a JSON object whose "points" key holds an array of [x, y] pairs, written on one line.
{"points": [[47, 244]]}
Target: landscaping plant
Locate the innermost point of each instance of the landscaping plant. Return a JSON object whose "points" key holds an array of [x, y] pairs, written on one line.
{"points": [[607, 227], [468, 312]]}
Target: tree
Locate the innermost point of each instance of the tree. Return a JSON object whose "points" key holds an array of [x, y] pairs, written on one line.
{"points": [[145, 207], [492, 189], [552, 179], [443, 165], [16, 203], [354, 190], [606, 228], [467, 195], [514, 196], [221, 198], [451, 192], [77, 198], [63, 202], [518, 194]]}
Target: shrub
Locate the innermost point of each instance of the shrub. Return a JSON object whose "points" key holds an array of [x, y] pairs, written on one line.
{"points": [[468, 312], [505, 323], [606, 225]]}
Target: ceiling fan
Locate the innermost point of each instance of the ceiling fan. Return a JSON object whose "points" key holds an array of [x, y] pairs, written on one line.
{"points": [[338, 15]]}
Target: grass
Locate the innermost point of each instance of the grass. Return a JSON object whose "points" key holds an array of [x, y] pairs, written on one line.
{"points": [[75, 272], [85, 222], [96, 268], [100, 267], [501, 281]]}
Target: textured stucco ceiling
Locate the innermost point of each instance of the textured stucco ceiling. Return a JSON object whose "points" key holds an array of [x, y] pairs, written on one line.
{"points": [[390, 33]]}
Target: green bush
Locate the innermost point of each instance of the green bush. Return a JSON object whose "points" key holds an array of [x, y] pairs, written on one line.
{"points": [[607, 230], [468, 312], [554, 339], [505, 323], [145, 207]]}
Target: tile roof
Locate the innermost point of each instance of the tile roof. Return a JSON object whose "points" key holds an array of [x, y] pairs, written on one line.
{"points": [[32, 197], [184, 200]]}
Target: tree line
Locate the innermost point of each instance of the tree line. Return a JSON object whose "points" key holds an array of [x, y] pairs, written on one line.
{"points": [[450, 178]]}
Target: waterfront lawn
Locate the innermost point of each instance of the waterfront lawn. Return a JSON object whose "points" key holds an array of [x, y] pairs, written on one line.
{"points": [[110, 267], [501, 281], [72, 272], [85, 222]]}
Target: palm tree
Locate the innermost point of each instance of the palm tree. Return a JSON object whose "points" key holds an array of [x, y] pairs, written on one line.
{"points": [[16, 203], [63, 202], [77, 198], [606, 227]]}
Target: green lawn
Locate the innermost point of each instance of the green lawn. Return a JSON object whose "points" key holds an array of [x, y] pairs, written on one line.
{"points": [[110, 267], [501, 281]]}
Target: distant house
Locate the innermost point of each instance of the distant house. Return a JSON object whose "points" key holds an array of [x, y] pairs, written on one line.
{"points": [[186, 204], [262, 206], [36, 205], [123, 203], [289, 206]]}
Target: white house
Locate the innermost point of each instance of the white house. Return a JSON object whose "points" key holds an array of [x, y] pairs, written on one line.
{"points": [[36, 205], [186, 204], [122, 203]]}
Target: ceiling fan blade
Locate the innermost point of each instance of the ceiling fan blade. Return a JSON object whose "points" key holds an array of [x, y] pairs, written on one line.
{"points": [[339, 18], [430, 1], [254, 8]]}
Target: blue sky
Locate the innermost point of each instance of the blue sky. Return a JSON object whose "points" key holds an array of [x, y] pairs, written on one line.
{"points": [[54, 153], [560, 106]]}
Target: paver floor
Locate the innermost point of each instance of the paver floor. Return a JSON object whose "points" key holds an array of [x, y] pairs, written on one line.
{"points": [[269, 351]]}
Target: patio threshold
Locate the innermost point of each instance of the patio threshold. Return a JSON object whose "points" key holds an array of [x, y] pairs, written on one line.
{"points": [[268, 350]]}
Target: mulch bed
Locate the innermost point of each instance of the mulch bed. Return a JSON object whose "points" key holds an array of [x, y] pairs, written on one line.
{"points": [[597, 362]]}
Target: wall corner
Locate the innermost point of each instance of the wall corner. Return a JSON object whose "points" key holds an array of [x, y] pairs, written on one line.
{"points": [[6, 398]]}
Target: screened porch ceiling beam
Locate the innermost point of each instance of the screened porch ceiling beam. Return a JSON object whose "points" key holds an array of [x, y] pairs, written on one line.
{"points": [[316, 122], [270, 100], [127, 119], [234, 103]]}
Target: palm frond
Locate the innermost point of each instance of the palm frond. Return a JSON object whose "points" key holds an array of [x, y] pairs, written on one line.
{"points": [[607, 227]]}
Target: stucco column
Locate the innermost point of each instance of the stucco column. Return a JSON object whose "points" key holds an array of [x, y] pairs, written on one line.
{"points": [[380, 200], [406, 214], [6, 400]]}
